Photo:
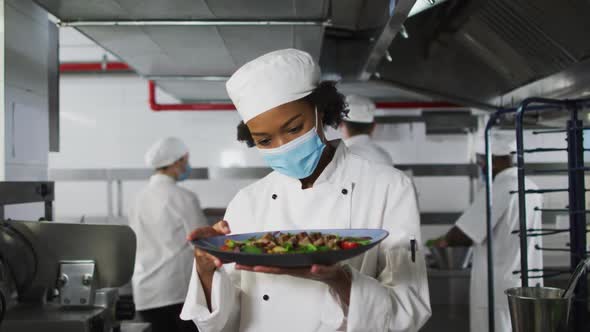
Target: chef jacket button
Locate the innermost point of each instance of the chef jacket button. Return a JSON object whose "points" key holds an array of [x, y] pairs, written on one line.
{"points": [[274, 196], [344, 191], [265, 297]]}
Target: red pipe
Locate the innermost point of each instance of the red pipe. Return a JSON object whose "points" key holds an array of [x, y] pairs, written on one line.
{"points": [[157, 107], [76, 67]]}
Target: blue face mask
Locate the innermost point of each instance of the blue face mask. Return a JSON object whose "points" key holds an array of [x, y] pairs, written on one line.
{"points": [[187, 171], [298, 158]]}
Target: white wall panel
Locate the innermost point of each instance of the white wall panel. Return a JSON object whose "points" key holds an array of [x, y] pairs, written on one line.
{"points": [[82, 198]]}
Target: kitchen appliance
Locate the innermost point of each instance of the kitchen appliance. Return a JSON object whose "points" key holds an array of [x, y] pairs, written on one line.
{"points": [[64, 277]]}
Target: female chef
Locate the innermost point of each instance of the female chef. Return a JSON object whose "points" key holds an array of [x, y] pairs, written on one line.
{"points": [[315, 184]]}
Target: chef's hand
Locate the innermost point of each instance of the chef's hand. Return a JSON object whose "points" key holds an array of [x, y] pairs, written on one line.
{"points": [[207, 263], [334, 276]]}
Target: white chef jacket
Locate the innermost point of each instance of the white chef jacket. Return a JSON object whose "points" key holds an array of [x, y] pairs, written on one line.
{"points": [[389, 292], [506, 247], [363, 145], [163, 215]]}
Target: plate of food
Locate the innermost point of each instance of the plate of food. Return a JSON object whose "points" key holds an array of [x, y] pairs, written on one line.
{"points": [[292, 248]]}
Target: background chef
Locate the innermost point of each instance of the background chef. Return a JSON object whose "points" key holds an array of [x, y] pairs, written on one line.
{"points": [[358, 127], [471, 229], [161, 217]]}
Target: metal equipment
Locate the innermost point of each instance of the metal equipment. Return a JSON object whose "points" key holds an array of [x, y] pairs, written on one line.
{"points": [[544, 309], [540, 309], [576, 190], [64, 277], [27, 192]]}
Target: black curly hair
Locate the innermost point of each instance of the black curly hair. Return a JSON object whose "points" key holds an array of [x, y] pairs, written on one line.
{"points": [[325, 97]]}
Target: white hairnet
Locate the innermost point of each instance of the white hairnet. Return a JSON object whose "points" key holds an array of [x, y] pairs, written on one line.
{"points": [[165, 152], [360, 109], [272, 80], [502, 143]]}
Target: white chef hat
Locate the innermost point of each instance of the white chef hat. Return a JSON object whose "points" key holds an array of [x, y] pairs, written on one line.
{"points": [[165, 152], [502, 143], [271, 80], [360, 109]]}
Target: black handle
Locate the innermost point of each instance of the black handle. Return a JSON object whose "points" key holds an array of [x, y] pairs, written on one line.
{"points": [[413, 249]]}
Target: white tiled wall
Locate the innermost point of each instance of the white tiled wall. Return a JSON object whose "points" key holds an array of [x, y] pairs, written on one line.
{"points": [[106, 123], [409, 144]]}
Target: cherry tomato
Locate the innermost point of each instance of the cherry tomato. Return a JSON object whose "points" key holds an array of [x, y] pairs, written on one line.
{"points": [[225, 248], [348, 245]]}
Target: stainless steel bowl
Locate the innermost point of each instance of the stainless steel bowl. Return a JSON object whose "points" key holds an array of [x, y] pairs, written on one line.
{"points": [[538, 309], [452, 258]]}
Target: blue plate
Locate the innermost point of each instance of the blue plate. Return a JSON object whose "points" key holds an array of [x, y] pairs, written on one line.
{"points": [[212, 245]]}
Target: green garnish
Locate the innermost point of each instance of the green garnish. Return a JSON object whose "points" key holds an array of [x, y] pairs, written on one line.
{"points": [[252, 250]]}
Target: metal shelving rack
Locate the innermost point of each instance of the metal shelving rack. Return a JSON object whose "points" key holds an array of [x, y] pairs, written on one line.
{"points": [[576, 197]]}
